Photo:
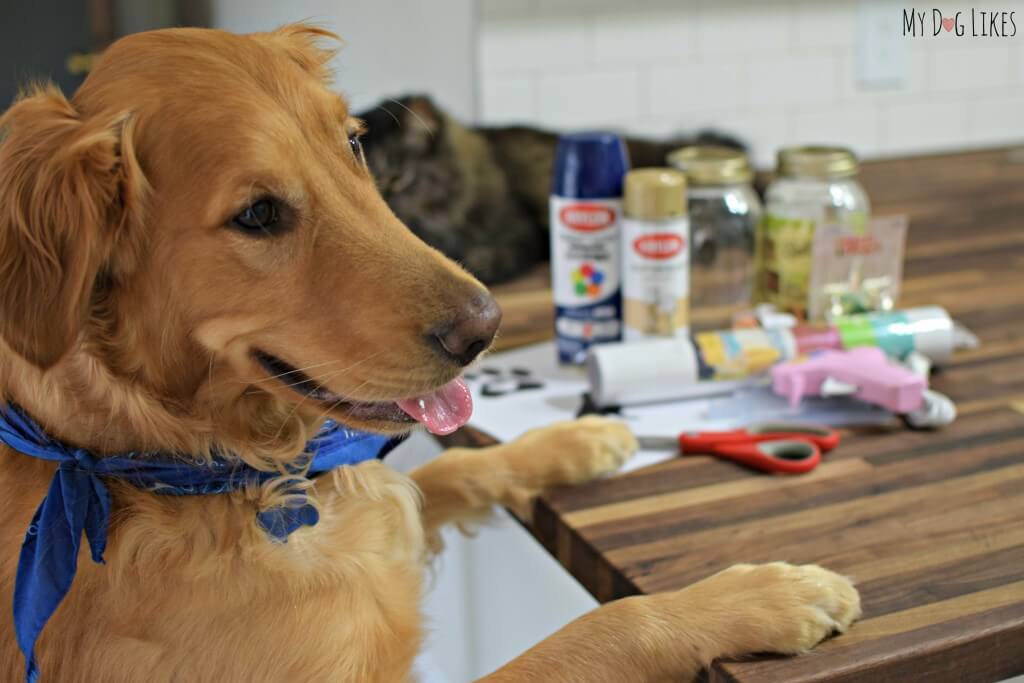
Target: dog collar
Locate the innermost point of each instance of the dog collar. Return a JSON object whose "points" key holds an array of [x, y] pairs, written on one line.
{"points": [[78, 501]]}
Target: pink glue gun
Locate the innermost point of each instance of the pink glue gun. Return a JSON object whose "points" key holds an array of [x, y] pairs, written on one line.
{"points": [[864, 373]]}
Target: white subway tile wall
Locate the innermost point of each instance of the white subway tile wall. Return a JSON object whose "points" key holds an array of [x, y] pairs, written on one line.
{"points": [[772, 72]]}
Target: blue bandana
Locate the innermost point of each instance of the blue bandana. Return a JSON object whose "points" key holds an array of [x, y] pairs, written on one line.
{"points": [[78, 501]]}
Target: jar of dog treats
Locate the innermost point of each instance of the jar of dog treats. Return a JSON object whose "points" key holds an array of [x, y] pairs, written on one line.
{"points": [[814, 186], [724, 213]]}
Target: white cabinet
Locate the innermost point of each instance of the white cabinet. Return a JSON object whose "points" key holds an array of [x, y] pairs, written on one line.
{"points": [[491, 596]]}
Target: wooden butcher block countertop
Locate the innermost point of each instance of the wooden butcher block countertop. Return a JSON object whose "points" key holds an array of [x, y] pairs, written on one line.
{"points": [[930, 525]]}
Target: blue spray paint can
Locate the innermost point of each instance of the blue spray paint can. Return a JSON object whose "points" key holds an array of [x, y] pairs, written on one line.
{"points": [[586, 249]]}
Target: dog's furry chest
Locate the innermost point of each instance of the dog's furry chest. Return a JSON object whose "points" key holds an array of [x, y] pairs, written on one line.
{"points": [[193, 590]]}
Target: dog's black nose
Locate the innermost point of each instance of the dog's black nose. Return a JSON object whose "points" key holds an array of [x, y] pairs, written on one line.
{"points": [[473, 329]]}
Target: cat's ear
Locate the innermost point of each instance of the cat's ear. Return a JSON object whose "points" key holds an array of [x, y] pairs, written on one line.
{"points": [[422, 123]]}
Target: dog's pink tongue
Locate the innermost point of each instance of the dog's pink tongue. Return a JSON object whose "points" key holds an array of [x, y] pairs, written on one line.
{"points": [[443, 411]]}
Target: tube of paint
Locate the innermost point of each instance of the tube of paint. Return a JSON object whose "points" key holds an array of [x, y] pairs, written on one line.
{"points": [[586, 252], [928, 330]]}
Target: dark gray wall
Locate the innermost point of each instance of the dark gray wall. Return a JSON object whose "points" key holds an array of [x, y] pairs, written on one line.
{"points": [[36, 37]]}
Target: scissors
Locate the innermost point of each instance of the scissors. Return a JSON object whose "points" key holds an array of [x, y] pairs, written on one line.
{"points": [[787, 448]]}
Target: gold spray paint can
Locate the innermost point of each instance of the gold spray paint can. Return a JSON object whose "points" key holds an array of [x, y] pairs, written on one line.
{"points": [[656, 258]]}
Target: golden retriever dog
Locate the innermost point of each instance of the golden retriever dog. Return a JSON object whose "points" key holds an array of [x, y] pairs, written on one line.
{"points": [[194, 260]]}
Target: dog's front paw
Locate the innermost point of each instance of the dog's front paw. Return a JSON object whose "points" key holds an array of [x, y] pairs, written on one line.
{"points": [[565, 453], [576, 451], [781, 607]]}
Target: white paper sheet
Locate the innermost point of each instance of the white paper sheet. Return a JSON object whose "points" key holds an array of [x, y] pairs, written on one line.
{"points": [[506, 417]]}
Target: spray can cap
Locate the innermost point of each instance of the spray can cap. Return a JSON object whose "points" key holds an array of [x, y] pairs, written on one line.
{"points": [[589, 166], [655, 193]]}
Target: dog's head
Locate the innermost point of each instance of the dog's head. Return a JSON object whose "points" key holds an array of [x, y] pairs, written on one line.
{"points": [[200, 218]]}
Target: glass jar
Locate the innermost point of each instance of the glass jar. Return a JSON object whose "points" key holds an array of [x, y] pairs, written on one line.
{"points": [[724, 214], [814, 186]]}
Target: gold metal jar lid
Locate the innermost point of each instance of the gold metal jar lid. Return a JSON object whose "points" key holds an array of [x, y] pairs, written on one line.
{"points": [[654, 193], [712, 165], [817, 162]]}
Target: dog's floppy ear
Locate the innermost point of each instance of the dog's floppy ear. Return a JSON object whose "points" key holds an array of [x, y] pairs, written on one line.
{"points": [[61, 203]]}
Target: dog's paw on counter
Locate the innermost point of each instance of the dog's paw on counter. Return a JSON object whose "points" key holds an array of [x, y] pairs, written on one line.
{"points": [[565, 454]]}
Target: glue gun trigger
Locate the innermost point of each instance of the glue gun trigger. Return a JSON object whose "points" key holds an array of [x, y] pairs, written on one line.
{"points": [[834, 387]]}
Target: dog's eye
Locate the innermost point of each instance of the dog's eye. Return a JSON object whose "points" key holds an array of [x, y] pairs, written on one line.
{"points": [[260, 218], [356, 146]]}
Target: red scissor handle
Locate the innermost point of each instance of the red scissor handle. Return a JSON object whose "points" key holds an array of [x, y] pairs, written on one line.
{"points": [[708, 442], [782, 456]]}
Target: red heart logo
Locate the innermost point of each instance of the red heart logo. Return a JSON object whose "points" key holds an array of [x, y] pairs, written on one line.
{"points": [[947, 23]]}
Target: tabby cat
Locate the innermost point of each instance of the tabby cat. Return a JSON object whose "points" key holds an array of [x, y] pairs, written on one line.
{"points": [[480, 195]]}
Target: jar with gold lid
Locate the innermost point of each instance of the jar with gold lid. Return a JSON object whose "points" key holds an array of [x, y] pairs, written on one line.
{"points": [[814, 186], [724, 214]]}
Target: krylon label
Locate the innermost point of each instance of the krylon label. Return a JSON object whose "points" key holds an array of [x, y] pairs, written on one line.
{"points": [[587, 217], [659, 245]]}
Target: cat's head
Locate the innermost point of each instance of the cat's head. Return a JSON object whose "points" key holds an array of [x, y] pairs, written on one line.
{"points": [[412, 154], [401, 132]]}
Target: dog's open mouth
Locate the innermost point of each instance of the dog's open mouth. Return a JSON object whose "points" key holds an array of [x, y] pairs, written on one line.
{"points": [[442, 411]]}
